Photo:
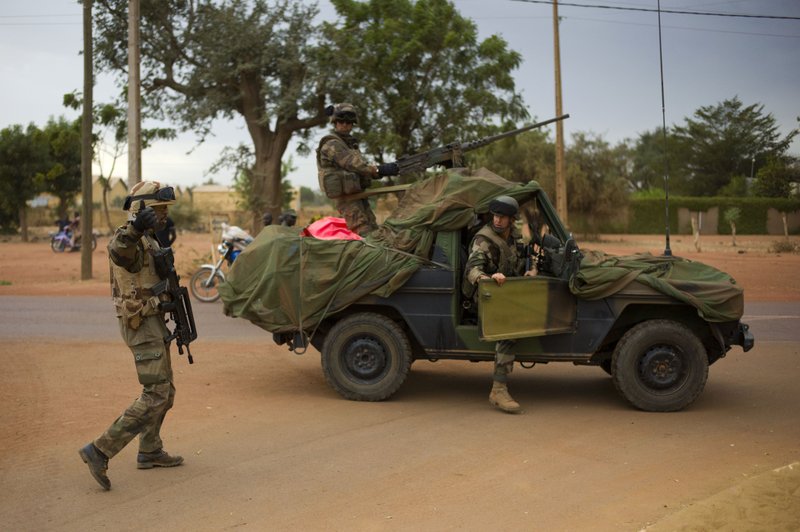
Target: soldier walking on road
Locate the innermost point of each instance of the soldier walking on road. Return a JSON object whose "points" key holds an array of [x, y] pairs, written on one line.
{"points": [[494, 255], [343, 171], [142, 324]]}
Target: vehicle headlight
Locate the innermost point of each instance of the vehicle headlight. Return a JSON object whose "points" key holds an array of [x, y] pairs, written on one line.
{"points": [[222, 249]]}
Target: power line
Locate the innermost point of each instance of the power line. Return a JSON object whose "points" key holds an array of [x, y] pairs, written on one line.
{"points": [[671, 11]]}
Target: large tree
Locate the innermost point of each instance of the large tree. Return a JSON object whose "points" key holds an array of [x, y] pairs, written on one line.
{"points": [[203, 60], [529, 156], [23, 157], [62, 178], [728, 139], [419, 75], [598, 177]]}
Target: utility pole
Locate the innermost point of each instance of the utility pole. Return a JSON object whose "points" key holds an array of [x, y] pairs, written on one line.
{"points": [[134, 97], [561, 178], [87, 154]]}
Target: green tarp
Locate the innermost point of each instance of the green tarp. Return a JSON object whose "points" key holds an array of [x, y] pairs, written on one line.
{"points": [[284, 282], [714, 294]]}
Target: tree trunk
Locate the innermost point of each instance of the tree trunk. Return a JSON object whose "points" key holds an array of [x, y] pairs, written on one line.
{"points": [[696, 231], [23, 222], [784, 217], [105, 208], [733, 233]]}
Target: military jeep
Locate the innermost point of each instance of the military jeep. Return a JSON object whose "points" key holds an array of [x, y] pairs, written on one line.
{"points": [[656, 346]]}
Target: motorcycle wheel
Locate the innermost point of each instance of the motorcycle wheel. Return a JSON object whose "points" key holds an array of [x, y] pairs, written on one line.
{"points": [[205, 283], [57, 245]]}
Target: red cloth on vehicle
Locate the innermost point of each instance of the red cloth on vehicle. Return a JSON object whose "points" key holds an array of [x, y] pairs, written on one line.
{"points": [[330, 228]]}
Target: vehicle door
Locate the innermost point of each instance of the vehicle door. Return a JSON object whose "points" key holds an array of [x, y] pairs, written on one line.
{"points": [[525, 307]]}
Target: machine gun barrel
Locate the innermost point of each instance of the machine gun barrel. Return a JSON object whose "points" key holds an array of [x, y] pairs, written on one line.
{"points": [[452, 152]]}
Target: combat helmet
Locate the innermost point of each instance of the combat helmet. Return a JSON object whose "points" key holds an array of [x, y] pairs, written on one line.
{"points": [[343, 112], [151, 192], [505, 205]]}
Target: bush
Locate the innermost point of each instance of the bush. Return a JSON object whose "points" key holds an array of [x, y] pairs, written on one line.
{"points": [[783, 246]]}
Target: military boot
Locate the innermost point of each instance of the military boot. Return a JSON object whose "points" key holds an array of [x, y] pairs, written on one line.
{"points": [[159, 458], [97, 462], [500, 398]]}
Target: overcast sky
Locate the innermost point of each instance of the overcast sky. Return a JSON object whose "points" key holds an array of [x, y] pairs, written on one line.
{"points": [[609, 61]]}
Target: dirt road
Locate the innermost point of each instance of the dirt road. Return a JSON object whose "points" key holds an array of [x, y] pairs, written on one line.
{"points": [[269, 446]]}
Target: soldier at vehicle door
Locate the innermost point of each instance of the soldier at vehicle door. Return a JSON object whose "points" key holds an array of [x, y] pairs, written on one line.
{"points": [[343, 171], [143, 328], [494, 254]]}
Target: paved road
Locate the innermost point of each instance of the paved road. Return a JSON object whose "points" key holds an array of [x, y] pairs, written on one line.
{"points": [[87, 317]]}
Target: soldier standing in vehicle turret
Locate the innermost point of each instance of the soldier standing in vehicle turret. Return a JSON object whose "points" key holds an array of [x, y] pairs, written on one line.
{"points": [[343, 171], [142, 324], [494, 254]]}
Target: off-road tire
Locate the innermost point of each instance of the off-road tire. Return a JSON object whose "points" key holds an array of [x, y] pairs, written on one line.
{"points": [[197, 285], [660, 366], [366, 357]]}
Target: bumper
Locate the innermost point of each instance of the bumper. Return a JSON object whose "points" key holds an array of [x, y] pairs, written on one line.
{"points": [[743, 337]]}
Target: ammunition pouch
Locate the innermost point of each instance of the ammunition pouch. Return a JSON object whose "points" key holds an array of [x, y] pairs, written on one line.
{"points": [[340, 184]]}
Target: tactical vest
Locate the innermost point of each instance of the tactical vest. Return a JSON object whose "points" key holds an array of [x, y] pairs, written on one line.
{"points": [[508, 263], [132, 293], [334, 181]]}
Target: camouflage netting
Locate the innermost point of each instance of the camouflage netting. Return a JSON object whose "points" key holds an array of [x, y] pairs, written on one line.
{"points": [[284, 282], [714, 294]]}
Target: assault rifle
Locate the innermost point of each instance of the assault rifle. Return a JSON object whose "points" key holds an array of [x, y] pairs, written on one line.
{"points": [[179, 306], [453, 151]]}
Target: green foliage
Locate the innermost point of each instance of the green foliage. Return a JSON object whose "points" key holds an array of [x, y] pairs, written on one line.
{"points": [[597, 181], [775, 179], [723, 140], [736, 188], [24, 154], [648, 160], [529, 156], [63, 176], [309, 197], [249, 59], [654, 193], [419, 75], [732, 215]]}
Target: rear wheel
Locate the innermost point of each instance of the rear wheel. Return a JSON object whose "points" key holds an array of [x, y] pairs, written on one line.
{"points": [[660, 366], [366, 357], [205, 284]]}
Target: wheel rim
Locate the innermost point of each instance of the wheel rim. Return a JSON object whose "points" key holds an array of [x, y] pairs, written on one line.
{"points": [[205, 287], [662, 367], [365, 359]]}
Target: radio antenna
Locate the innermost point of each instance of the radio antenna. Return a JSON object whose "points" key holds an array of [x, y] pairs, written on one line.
{"points": [[667, 250]]}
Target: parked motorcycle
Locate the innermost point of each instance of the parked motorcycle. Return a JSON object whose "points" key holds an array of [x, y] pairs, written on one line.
{"points": [[62, 241], [206, 280]]}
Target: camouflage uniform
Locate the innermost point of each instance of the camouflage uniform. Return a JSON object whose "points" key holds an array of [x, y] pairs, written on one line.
{"points": [[142, 327], [343, 171], [489, 254]]}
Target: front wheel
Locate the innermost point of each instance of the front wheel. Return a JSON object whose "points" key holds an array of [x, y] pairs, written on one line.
{"points": [[366, 357], [660, 366], [205, 284], [57, 245]]}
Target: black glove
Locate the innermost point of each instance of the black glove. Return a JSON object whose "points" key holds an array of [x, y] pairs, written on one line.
{"points": [[388, 169], [145, 219]]}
